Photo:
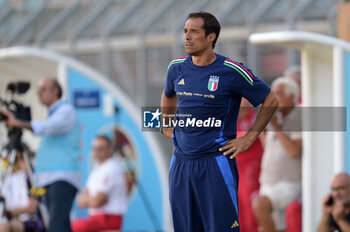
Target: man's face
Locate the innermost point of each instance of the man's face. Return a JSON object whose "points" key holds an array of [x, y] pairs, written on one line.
{"points": [[46, 92], [196, 43], [101, 149], [283, 98], [340, 188]]}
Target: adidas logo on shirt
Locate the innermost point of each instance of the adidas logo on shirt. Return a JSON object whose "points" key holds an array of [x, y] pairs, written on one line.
{"points": [[235, 224], [181, 82]]}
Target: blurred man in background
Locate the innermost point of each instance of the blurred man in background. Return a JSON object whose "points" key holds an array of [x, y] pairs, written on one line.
{"points": [[56, 160], [280, 178], [106, 192], [336, 206], [294, 210]]}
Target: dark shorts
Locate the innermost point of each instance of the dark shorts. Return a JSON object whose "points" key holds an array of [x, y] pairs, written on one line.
{"points": [[203, 194]]}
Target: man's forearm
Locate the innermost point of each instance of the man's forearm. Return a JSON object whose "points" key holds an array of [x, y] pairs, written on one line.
{"points": [[324, 224], [168, 106], [85, 200], [344, 225], [292, 146], [168, 132], [241, 144], [267, 110], [12, 121], [24, 124]]}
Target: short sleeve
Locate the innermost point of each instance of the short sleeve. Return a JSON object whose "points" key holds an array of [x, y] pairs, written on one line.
{"points": [[250, 86], [169, 89]]}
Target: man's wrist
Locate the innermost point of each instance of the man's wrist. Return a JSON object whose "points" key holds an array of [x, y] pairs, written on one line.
{"points": [[167, 131], [251, 136]]}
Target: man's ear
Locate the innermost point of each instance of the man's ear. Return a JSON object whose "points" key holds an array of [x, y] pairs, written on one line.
{"points": [[55, 91], [211, 37]]}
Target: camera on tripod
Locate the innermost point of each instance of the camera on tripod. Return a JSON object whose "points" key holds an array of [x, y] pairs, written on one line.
{"points": [[20, 111], [10, 153]]}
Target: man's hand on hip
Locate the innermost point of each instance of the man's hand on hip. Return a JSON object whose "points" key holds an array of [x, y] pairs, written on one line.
{"points": [[236, 146]]}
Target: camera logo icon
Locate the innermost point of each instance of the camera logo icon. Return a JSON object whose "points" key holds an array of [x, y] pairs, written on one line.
{"points": [[151, 119]]}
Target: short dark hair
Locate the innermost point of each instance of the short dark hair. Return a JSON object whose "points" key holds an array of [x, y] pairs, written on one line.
{"points": [[57, 86], [211, 24]]}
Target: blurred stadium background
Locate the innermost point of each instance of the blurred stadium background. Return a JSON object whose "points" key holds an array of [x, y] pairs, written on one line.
{"points": [[132, 41]]}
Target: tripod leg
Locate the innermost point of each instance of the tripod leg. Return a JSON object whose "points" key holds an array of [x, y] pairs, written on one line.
{"points": [[2, 207], [41, 206], [8, 163], [9, 167], [4, 155], [11, 162]]}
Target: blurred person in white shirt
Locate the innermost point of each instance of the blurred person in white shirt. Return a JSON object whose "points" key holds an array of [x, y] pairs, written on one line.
{"points": [[105, 194], [280, 177]]}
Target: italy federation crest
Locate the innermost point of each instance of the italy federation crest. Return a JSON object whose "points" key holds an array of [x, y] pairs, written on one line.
{"points": [[213, 83]]}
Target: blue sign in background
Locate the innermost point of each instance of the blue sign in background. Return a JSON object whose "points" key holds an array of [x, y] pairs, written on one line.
{"points": [[86, 99], [145, 209]]}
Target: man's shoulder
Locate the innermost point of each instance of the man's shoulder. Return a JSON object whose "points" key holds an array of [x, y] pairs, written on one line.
{"points": [[66, 103], [65, 106], [237, 70], [112, 166], [180, 59], [66, 110], [234, 65], [177, 61]]}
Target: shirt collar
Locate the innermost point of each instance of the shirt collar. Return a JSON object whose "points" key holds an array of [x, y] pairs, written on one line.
{"points": [[54, 106]]}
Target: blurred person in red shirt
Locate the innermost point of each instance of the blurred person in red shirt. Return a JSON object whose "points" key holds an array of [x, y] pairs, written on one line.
{"points": [[248, 164]]}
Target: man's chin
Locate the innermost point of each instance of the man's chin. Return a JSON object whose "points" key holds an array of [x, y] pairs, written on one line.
{"points": [[188, 52], [191, 53]]}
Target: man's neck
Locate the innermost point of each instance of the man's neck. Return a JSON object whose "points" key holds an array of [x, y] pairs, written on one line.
{"points": [[53, 103], [102, 161], [204, 59]]}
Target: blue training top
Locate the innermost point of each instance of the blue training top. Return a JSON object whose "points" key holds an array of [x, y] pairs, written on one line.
{"points": [[208, 99]]}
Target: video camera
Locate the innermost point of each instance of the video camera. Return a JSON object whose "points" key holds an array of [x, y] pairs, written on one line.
{"points": [[20, 111]]}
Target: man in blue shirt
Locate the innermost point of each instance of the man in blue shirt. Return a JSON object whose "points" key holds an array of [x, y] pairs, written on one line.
{"points": [[204, 89], [56, 160]]}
